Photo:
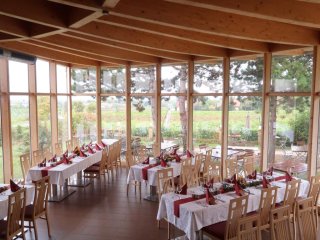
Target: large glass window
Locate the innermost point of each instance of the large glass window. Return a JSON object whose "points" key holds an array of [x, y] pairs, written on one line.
{"points": [[44, 121], [174, 79], [18, 77], [42, 76], [20, 130], [208, 78], [113, 80], [62, 79], [84, 118], [63, 119], [83, 80], [143, 79]]}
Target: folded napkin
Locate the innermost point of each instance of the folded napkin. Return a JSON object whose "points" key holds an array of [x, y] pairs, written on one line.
{"points": [[184, 189], [269, 171], [177, 157], [189, 154], [43, 163], [146, 161], [82, 147], [163, 163], [174, 151], [103, 144], [233, 179], [253, 175], [90, 150], [209, 198], [98, 147], [66, 152], [265, 182], [238, 189], [53, 159], [82, 154], [13, 186]]}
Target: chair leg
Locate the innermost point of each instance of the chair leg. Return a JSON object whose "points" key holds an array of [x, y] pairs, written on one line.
{"points": [[159, 224], [23, 233], [35, 229], [127, 190], [294, 226], [168, 230], [48, 225]]}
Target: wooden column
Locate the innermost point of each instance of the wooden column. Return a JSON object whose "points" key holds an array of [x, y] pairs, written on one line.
{"points": [[98, 101], [70, 105], [157, 96], [33, 117], [265, 112], [225, 115], [128, 109], [53, 105], [314, 120], [5, 121], [190, 104]]}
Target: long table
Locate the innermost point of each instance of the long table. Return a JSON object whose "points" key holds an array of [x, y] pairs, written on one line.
{"points": [[59, 175], [4, 196], [197, 214]]}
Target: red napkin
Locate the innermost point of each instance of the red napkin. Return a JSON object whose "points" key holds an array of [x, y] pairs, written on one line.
{"points": [[66, 152], [98, 147], [184, 189], [174, 151], [189, 154], [253, 175], [209, 198], [53, 159], [233, 179], [238, 189], [146, 161], [90, 150], [82, 147], [265, 182], [82, 154], [13, 186], [163, 163], [177, 157], [269, 171], [177, 203]]}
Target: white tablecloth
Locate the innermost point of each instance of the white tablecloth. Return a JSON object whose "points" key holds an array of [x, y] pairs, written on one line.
{"points": [[135, 172], [109, 141], [196, 215], [63, 171], [4, 199]]}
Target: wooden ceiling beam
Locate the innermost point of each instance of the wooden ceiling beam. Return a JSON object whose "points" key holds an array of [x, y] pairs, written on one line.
{"points": [[215, 22], [79, 17], [143, 39], [124, 46], [98, 49], [92, 5], [197, 37], [286, 11], [13, 26], [47, 53], [110, 3]]}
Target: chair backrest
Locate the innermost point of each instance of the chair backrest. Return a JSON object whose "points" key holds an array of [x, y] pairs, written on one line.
{"points": [[69, 145], [165, 181], [141, 154], [248, 165], [103, 161], [58, 148], [189, 176], [232, 165], [186, 162], [47, 153], [306, 219], [280, 223], [267, 201], [291, 193], [41, 195], [213, 172], [237, 209], [198, 162], [25, 164], [315, 179], [16, 209], [314, 192], [37, 157], [249, 228]]}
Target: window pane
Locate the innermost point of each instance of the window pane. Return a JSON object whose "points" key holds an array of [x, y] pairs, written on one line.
{"points": [[245, 123], [246, 75], [292, 73], [289, 129], [143, 79], [42, 76], [174, 120], [62, 79], [84, 118], [18, 76], [208, 78], [63, 120], [174, 79], [113, 80], [83, 80], [20, 130], [143, 117], [207, 115], [44, 122]]}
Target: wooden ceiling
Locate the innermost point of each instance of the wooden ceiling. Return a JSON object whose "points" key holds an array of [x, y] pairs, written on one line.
{"points": [[118, 32]]}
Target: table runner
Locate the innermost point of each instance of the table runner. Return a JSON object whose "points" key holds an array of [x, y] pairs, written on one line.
{"points": [[145, 171]]}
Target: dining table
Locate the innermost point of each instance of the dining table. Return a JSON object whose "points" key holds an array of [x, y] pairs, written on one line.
{"points": [[135, 174], [4, 198], [60, 174], [195, 215]]}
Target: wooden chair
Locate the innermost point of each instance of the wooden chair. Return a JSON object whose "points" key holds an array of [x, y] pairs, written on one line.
{"points": [[306, 219], [39, 207], [141, 154], [280, 223], [267, 202], [248, 165], [212, 171], [186, 162], [249, 228], [97, 171], [203, 148], [58, 148], [46, 152], [37, 157], [118, 154], [25, 165], [232, 166], [229, 229], [198, 163], [16, 208], [314, 191], [69, 145], [189, 176]]}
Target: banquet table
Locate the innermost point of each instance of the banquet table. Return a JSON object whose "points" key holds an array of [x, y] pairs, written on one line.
{"points": [[4, 196], [216, 153], [135, 174], [59, 175], [198, 214]]}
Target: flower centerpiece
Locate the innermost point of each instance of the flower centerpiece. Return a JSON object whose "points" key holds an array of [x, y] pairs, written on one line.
{"points": [[242, 182]]}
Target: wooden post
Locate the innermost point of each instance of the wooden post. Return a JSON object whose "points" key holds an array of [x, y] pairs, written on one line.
{"points": [[158, 110], [190, 104], [98, 102], [70, 105], [33, 117], [53, 105], [128, 115]]}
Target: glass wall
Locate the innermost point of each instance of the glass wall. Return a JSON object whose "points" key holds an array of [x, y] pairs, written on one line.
{"points": [[44, 122], [63, 120], [42, 76], [62, 79], [83, 80]]}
